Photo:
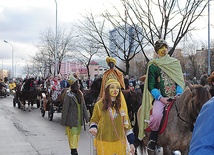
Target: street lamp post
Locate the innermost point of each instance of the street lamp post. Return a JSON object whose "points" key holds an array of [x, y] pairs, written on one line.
{"points": [[55, 52], [12, 56], [208, 65]]}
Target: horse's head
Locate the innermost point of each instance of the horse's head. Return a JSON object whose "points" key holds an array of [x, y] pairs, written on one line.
{"points": [[96, 84], [200, 95], [194, 96], [133, 99]]}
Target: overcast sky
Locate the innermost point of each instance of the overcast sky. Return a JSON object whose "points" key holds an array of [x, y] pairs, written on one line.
{"points": [[22, 21]]}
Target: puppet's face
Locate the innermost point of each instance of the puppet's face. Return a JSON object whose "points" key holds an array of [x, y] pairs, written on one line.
{"points": [[114, 89], [162, 51], [111, 65]]}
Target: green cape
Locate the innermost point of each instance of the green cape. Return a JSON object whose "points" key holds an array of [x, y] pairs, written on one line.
{"points": [[172, 68]]}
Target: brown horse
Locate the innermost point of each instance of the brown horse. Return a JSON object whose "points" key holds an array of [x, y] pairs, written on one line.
{"points": [[182, 116]]}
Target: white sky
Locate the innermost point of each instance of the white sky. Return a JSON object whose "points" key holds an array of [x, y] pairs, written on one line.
{"points": [[22, 21]]}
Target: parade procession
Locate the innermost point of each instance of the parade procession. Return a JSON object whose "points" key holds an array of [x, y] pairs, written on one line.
{"points": [[106, 77]]}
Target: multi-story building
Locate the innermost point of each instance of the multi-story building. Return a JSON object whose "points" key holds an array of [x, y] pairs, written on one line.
{"points": [[123, 39], [201, 57], [95, 69]]}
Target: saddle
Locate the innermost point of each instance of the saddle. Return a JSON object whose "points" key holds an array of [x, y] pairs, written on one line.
{"points": [[164, 118]]}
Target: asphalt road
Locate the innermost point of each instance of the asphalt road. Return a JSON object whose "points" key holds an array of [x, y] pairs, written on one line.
{"points": [[28, 133]]}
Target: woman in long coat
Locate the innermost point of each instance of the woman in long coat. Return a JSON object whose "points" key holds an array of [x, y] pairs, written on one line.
{"points": [[74, 113]]}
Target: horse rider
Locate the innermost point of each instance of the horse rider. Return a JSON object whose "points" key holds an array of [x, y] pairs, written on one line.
{"points": [[55, 87], [164, 80]]}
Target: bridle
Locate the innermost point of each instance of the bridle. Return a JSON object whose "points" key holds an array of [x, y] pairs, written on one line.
{"points": [[179, 116]]}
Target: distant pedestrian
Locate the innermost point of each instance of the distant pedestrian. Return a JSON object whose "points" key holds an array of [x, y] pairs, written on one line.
{"points": [[194, 80], [133, 81], [64, 83], [126, 81], [88, 83]]}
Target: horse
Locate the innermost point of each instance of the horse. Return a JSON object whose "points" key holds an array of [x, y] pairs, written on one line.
{"points": [[183, 114], [91, 95], [134, 101], [50, 103], [28, 93]]}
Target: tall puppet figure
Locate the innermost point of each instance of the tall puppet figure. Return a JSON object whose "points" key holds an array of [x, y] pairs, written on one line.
{"points": [[164, 80], [111, 73], [74, 113], [110, 123]]}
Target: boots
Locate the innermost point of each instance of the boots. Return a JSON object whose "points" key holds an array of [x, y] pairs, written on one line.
{"points": [[74, 152], [152, 145]]}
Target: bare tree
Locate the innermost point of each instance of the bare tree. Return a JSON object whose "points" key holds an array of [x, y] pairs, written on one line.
{"points": [[85, 51], [88, 45], [44, 58], [212, 55], [191, 60], [124, 48], [150, 19], [165, 19]]}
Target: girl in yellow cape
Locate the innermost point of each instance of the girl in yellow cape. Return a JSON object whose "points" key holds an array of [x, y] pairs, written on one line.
{"points": [[110, 123]]}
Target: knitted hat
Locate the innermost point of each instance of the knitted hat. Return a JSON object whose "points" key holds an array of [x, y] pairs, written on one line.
{"points": [[111, 81], [160, 43], [71, 79], [110, 59]]}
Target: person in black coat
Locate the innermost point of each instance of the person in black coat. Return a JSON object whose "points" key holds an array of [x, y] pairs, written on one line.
{"points": [[126, 81]]}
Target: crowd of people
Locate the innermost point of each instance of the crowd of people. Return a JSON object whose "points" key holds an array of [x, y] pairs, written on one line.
{"points": [[109, 123]]}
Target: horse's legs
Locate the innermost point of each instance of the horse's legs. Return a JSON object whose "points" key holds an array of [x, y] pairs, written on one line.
{"points": [[29, 106], [167, 151], [141, 149], [44, 101], [21, 105]]}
